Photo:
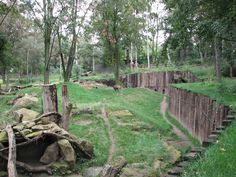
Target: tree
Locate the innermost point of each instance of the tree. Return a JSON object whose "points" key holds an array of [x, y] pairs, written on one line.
{"points": [[115, 22]]}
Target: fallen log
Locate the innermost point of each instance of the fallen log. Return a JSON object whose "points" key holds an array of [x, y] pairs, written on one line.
{"points": [[11, 165]]}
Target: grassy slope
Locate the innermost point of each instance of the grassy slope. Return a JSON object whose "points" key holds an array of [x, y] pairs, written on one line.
{"points": [[220, 159], [143, 103], [135, 146]]}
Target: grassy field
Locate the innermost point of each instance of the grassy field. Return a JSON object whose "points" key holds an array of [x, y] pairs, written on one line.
{"points": [[139, 130], [137, 135], [219, 160]]}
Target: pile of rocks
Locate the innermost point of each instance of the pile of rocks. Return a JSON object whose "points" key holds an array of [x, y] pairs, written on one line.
{"points": [[40, 142]]}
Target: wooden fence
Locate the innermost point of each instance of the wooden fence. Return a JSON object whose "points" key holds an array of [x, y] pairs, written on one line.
{"points": [[158, 81], [199, 114]]}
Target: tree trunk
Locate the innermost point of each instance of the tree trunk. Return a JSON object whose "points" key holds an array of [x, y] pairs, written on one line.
{"points": [[27, 64], [168, 56], [11, 165], [50, 103], [93, 61], [4, 75], [73, 43], [131, 57], [136, 57], [148, 53], [7, 79], [117, 64], [60, 51], [47, 20], [217, 47], [46, 76], [66, 107]]}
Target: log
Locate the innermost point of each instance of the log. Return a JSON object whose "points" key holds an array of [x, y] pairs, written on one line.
{"points": [[66, 108], [11, 165]]}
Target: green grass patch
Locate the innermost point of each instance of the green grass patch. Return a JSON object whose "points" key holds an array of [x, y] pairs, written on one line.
{"points": [[219, 160]]}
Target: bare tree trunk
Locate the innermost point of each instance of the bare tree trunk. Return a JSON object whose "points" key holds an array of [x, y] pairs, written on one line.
{"points": [[93, 61], [73, 44], [11, 165], [27, 64], [131, 57], [66, 107], [7, 79], [217, 44], [148, 53], [60, 51], [168, 56], [136, 57], [47, 19]]}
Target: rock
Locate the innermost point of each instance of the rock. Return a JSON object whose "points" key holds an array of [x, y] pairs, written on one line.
{"points": [[34, 134], [26, 113], [156, 164], [174, 153], [29, 124], [113, 169], [92, 171], [67, 151], [37, 127], [26, 131], [3, 136], [25, 102], [121, 113], [19, 127], [51, 154], [137, 170], [87, 146]]}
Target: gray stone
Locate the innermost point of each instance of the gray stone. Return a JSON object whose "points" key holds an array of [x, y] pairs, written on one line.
{"points": [[92, 171], [67, 151], [51, 154], [25, 102], [25, 114]]}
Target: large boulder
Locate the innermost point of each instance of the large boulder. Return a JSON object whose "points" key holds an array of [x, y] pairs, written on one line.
{"points": [[51, 154], [67, 151], [27, 101], [24, 114]]}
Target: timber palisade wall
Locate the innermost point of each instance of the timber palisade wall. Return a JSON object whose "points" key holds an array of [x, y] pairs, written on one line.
{"points": [[199, 114], [158, 81]]}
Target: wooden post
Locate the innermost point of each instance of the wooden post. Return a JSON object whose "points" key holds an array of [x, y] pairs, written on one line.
{"points": [[11, 165], [66, 107]]}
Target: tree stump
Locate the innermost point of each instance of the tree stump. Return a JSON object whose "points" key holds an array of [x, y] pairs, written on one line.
{"points": [[50, 102], [66, 107]]}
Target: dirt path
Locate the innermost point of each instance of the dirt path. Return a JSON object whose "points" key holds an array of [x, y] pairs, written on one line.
{"points": [[177, 131], [112, 148]]}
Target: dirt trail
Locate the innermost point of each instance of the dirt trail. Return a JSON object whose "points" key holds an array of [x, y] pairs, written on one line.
{"points": [[112, 148], [177, 131]]}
